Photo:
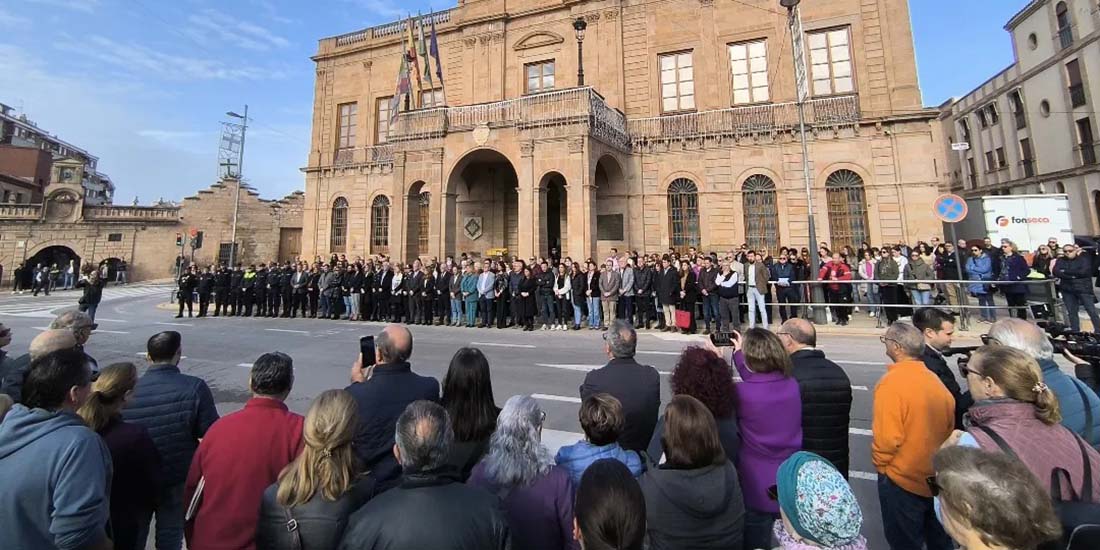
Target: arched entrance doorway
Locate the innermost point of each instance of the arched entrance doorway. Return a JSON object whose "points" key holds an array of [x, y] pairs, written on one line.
{"points": [[418, 205], [555, 219], [482, 205], [610, 211], [112, 268], [48, 257]]}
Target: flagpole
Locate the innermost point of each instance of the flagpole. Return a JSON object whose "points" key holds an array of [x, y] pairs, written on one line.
{"points": [[434, 52]]}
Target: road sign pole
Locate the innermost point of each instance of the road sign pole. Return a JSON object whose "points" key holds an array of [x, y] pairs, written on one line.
{"points": [[964, 317]]}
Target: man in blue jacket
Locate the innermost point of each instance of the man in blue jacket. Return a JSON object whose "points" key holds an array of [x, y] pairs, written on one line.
{"points": [[44, 444], [382, 392], [1029, 338], [177, 409]]}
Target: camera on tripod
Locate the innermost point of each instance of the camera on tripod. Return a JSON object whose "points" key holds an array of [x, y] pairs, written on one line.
{"points": [[1084, 345]]}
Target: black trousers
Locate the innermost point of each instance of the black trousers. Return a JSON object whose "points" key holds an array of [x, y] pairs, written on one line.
{"points": [[1017, 305], [247, 299], [643, 309], [889, 296], [288, 302], [274, 298], [261, 302], [381, 307], [204, 303], [299, 302], [185, 298], [502, 304], [221, 300], [235, 302]]}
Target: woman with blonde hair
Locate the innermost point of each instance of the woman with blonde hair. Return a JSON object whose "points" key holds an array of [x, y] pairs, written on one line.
{"points": [[135, 482], [1015, 412], [309, 505]]}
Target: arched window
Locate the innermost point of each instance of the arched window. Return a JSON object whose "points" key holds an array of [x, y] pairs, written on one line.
{"points": [[1065, 28], [380, 225], [338, 238], [847, 208], [423, 216], [761, 214], [1059, 187], [683, 214]]}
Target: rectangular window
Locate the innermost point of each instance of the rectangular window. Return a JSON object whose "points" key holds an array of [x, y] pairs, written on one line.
{"points": [[1026, 161], [1076, 85], [749, 70], [831, 62], [345, 139], [7, 195], [19, 198], [982, 120], [972, 172], [430, 99], [224, 251], [114, 237], [994, 116], [540, 76], [382, 123], [1086, 141], [1017, 102], [965, 125], [677, 82], [1002, 161], [989, 161]]}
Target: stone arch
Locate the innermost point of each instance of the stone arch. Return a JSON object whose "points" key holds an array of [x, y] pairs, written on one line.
{"points": [[846, 208], [338, 225], [49, 253], [760, 207], [380, 214], [684, 222], [418, 202], [678, 174], [536, 39], [553, 194], [481, 204]]}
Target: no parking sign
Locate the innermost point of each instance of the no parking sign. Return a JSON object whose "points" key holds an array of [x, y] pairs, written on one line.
{"points": [[950, 208]]}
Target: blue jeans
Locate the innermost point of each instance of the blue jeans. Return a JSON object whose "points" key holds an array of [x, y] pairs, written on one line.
{"points": [[548, 305], [987, 300], [593, 311], [576, 314], [68, 280], [921, 297], [710, 310], [169, 515], [486, 311], [471, 313], [324, 306], [90, 310], [909, 520], [873, 298], [456, 310]]}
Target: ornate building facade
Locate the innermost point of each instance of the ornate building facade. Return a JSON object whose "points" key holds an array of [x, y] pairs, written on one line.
{"points": [[684, 134]]}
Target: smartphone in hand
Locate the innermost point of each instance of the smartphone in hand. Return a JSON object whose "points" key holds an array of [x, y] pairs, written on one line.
{"points": [[722, 339], [366, 350]]}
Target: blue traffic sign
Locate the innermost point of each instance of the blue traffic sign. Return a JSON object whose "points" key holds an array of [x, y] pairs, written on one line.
{"points": [[950, 208]]}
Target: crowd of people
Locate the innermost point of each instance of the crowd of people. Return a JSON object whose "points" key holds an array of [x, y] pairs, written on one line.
{"points": [[751, 451], [671, 292], [48, 277]]}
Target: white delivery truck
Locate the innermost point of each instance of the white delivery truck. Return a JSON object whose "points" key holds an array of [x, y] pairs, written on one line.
{"points": [[1027, 220]]}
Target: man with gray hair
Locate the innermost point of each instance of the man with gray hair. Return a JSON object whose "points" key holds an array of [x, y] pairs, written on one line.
{"points": [[913, 415], [636, 386], [431, 508], [45, 343], [82, 326], [1032, 340], [382, 392]]}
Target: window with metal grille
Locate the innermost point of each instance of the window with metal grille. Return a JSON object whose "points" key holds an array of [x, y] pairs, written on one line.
{"points": [[965, 126], [345, 139], [423, 216], [540, 76], [847, 208], [382, 122], [226, 253], [758, 200], [1065, 29], [1002, 161], [677, 82], [339, 231], [1076, 84], [831, 62], [749, 69], [1085, 141], [380, 225], [1026, 161], [1017, 102], [683, 214]]}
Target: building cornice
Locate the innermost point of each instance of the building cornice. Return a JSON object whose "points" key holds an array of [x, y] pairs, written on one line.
{"points": [[1029, 9]]}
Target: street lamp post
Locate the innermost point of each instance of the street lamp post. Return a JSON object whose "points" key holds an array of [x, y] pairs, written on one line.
{"points": [[794, 23], [237, 196], [579, 25]]}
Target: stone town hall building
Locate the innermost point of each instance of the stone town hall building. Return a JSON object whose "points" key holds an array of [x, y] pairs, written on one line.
{"points": [[685, 133]]}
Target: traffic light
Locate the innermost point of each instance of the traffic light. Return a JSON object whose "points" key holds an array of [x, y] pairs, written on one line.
{"points": [[196, 240], [179, 239]]}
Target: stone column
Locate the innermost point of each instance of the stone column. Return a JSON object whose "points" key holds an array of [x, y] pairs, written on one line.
{"points": [[398, 209], [580, 193]]}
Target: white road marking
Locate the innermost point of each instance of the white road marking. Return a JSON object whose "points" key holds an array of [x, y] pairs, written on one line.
{"points": [[584, 368], [287, 330], [144, 354], [659, 352], [562, 398], [869, 476], [502, 345], [41, 328], [864, 363], [860, 388], [173, 324], [99, 330], [98, 319], [859, 431], [249, 365]]}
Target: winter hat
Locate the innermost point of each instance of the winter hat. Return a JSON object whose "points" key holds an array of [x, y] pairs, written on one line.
{"points": [[817, 500]]}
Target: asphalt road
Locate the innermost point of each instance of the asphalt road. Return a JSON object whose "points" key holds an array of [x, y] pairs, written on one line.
{"points": [[548, 364]]}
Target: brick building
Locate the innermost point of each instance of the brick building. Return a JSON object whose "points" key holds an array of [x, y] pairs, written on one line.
{"points": [[65, 227], [685, 133]]}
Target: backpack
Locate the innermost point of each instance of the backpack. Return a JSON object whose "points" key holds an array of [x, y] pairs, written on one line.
{"points": [[1080, 516]]}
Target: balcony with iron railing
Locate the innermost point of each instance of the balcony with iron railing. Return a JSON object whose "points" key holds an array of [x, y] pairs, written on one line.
{"points": [[132, 213], [1088, 153], [369, 155]]}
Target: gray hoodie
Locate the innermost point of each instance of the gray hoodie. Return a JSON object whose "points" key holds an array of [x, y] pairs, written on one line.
{"points": [[56, 478], [700, 509]]}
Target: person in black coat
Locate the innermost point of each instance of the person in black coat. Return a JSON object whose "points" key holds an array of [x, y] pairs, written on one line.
{"points": [[274, 289], [826, 393], [578, 281], [382, 395], [383, 288], [443, 296], [938, 327], [1075, 271], [221, 291], [643, 293], [205, 288], [689, 294], [313, 291], [668, 292], [93, 293], [636, 386], [259, 291], [187, 281], [525, 302]]}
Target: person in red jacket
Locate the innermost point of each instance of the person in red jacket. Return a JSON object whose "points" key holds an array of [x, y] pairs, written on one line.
{"points": [[838, 293], [240, 456]]}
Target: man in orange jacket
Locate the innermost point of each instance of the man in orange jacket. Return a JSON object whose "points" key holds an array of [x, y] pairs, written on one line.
{"points": [[913, 415]]}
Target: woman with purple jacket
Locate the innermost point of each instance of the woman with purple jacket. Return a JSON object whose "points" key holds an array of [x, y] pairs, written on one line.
{"points": [[537, 495], [769, 416]]}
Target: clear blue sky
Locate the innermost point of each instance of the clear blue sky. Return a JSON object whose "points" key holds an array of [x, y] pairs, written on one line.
{"points": [[143, 84]]}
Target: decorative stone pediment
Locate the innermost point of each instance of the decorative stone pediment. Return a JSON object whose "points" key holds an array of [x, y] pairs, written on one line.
{"points": [[538, 39]]}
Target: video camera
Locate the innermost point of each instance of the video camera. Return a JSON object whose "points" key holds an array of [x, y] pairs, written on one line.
{"points": [[1084, 345]]}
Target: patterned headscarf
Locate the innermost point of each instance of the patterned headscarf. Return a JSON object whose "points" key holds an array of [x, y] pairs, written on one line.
{"points": [[818, 502]]}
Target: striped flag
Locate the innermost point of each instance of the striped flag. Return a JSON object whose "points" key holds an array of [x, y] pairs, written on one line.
{"points": [[422, 52], [433, 50], [411, 56]]}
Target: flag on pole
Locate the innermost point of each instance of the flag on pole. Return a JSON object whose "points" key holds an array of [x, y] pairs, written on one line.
{"points": [[411, 56], [422, 52], [403, 86], [433, 50]]}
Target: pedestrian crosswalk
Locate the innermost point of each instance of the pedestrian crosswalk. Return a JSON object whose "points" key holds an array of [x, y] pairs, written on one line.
{"points": [[26, 305]]}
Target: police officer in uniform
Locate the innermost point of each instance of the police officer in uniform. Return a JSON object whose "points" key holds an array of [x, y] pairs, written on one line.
{"points": [[259, 286], [284, 286], [248, 289], [187, 281], [274, 289], [236, 290], [205, 287], [221, 291]]}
